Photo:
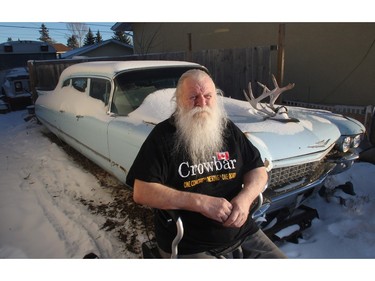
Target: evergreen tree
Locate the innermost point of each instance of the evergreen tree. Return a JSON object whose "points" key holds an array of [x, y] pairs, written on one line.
{"points": [[73, 42], [120, 36], [44, 34], [98, 37], [9, 39], [89, 38]]}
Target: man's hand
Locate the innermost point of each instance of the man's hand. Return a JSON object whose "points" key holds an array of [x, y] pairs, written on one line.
{"points": [[218, 209], [254, 183], [240, 211]]}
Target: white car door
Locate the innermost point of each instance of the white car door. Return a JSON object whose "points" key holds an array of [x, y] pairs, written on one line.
{"points": [[84, 121]]}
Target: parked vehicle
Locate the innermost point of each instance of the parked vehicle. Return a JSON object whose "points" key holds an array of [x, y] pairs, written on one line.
{"points": [[15, 91], [106, 109]]}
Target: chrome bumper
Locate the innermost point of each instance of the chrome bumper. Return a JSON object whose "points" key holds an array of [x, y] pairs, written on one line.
{"points": [[343, 161], [292, 195]]}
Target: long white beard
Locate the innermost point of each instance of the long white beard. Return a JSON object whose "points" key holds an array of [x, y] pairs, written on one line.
{"points": [[200, 132]]}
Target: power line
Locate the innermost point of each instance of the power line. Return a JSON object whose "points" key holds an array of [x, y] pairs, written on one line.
{"points": [[58, 34], [52, 28], [30, 30]]}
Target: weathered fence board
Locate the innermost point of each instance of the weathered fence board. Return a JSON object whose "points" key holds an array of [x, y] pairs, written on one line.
{"points": [[231, 69]]}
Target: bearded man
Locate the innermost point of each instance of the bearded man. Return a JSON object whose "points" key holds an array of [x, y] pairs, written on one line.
{"points": [[200, 163]]}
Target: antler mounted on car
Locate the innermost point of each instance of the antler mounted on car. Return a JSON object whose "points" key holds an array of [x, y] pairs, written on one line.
{"points": [[279, 113]]}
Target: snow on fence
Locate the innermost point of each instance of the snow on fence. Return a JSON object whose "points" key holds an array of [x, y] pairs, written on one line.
{"points": [[365, 114], [344, 109]]}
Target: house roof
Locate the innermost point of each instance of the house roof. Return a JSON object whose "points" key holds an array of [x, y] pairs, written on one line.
{"points": [[61, 48], [122, 26], [26, 47], [85, 49]]}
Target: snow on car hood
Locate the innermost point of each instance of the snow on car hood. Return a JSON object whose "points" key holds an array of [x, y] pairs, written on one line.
{"points": [[275, 140], [346, 125]]}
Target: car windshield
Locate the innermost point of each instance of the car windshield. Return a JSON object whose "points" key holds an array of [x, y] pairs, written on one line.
{"points": [[131, 88]]}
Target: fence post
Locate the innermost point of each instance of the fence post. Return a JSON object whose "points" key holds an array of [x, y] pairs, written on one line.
{"points": [[370, 123], [32, 80]]}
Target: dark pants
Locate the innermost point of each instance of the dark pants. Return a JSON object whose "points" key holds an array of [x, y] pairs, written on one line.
{"points": [[256, 246]]}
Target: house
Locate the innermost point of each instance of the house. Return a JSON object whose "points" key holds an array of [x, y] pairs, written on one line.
{"points": [[60, 49], [17, 53], [330, 63], [106, 48]]}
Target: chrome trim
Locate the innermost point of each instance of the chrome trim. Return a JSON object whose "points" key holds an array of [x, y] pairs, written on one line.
{"points": [[343, 161], [255, 211], [301, 188]]}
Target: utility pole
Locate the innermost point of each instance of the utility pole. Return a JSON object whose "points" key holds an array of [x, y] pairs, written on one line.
{"points": [[280, 56], [190, 48]]}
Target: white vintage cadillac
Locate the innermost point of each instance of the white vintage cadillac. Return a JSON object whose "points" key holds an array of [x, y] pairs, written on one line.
{"points": [[106, 109]]}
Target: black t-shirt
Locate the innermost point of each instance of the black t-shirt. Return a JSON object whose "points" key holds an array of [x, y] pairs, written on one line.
{"points": [[157, 161]]}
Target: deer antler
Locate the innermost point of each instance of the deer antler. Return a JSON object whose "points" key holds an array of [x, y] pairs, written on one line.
{"points": [[277, 91], [274, 94], [254, 102]]}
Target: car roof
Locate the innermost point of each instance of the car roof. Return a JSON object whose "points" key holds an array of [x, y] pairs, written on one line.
{"points": [[111, 68], [17, 71]]}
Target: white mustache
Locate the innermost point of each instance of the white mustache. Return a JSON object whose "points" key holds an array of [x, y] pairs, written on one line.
{"points": [[197, 110]]}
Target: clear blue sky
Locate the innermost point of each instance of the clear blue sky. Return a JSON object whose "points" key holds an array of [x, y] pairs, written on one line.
{"points": [[57, 30]]}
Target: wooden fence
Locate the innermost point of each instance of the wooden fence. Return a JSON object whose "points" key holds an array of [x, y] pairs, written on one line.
{"points": [[231, 69]]}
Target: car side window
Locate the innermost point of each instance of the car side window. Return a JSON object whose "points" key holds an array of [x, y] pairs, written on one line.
{"points": [[100, 89], [120, 102], [66, 83], [79, 84]]}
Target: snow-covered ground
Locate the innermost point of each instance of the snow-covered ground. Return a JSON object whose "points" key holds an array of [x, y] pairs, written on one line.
{"points": [[52, 207]]}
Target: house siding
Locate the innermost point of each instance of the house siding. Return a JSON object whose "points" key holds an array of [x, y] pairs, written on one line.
{"points": [[330, 63]]}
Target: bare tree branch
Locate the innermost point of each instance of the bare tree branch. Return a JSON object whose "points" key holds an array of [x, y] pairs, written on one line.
{"points": [[78, 29]]}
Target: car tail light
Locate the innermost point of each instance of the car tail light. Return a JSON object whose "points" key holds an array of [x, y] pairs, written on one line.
{"points": [[18, 86]]}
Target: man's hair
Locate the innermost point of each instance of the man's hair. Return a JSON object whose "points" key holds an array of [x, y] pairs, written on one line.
{"points": [[196, 74]]}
